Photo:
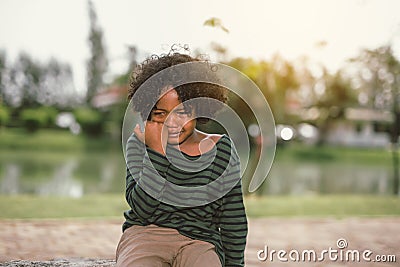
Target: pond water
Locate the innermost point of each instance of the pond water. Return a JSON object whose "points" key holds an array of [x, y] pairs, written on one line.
{"points": [[69, 174], [73, 175], [300, 178]]}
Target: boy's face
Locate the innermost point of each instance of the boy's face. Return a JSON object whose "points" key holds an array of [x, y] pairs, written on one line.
{"points": [[170, 111]]}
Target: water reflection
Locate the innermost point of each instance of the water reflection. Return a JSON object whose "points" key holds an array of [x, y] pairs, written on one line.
{"points": [[76, 175], [62, 182], [9, 183], [71, 175], [107, 174], [312, 178]]}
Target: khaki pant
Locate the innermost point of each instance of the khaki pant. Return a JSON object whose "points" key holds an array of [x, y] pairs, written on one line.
{"points": [[154, 246]]}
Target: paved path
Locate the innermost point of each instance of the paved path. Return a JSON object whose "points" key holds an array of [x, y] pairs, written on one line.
{"points": [[80, 240]]}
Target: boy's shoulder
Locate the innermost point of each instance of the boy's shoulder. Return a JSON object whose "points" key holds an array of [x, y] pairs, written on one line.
{"points": [[211, 141], [221, 140], [215, 137], [218, 138]]}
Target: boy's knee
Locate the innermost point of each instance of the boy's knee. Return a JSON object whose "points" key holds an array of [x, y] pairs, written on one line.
{"points": [[209, 258], [197, 255]]}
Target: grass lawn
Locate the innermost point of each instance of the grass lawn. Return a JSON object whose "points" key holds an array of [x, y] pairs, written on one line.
{"points": [[112, 205], [37, 207], [321, 154], [323, 205]]}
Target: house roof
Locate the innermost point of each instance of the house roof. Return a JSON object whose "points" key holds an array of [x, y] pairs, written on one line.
{"points": [[111, 95]]}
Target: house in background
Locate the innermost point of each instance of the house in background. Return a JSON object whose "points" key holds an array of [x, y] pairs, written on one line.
{"points": [[358, 129], [113, 101], [115, 94]]}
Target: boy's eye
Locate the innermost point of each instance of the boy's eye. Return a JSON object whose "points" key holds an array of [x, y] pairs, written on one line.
{"points": [[183, 113], [158, 114]]}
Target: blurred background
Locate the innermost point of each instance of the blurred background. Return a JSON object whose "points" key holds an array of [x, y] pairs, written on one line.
{"points": [[330, 71]]}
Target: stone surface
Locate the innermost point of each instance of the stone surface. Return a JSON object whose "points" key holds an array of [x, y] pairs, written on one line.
{"points": [[60, 263], [93, 242]]}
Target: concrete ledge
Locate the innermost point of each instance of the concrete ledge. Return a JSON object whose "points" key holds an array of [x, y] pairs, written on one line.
{"points": [[61, 263]]}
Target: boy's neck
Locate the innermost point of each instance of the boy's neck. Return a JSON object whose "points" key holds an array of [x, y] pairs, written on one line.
{"points": [[198, 143]]}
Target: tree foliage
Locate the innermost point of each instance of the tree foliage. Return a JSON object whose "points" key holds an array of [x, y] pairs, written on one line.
{"points": [[275, 78], [29, 83], [2, 70], [98, 62], [378, 73]]}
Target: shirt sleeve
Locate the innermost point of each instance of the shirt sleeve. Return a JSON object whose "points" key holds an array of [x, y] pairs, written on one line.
{"points": [[233, 221], [145, 178]]}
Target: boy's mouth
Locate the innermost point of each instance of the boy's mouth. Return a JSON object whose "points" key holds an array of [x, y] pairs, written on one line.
{"points": [[174, 134]]}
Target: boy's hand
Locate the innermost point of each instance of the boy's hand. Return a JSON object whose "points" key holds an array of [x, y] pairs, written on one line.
{"points": [[152, 136]]}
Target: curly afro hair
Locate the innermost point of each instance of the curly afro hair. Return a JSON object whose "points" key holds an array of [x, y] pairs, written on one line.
{"points": [[159, 69]]}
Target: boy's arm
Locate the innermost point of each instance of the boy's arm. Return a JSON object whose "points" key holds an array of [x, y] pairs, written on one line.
{"points": [[233, 221], [144, 181]]}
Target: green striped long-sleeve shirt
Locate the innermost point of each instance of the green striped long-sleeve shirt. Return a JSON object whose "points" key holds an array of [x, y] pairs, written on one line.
{"points": [[200, 196]]}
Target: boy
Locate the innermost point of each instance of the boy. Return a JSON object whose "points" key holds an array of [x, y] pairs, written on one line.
{"points": [[183, 185]]}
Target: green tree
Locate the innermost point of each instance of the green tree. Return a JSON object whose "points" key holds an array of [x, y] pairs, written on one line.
{"points": [[334, 95], [98, 62], [253, 70], [380, 76], [27, 76], [29, 83], [282, 81], [56, 85], [276, 79], [3, 60], [124, 78]]}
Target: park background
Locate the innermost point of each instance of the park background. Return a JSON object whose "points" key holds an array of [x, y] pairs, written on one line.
{"points": [[333, 92]]}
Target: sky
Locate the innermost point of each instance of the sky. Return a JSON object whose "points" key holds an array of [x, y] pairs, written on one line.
{"points": [[257, 29]]}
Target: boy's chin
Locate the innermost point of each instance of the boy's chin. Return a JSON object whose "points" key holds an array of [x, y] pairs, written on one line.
{"points": [[176, 140], [173, 141]]}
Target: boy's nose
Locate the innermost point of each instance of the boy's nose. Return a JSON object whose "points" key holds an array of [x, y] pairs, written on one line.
{"points": [[171, 121]]}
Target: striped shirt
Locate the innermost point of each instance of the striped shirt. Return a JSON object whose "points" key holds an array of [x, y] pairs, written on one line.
{"points": [[200, 196]]}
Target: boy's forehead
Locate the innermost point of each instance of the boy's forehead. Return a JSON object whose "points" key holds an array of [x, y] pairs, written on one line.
{"points": [[167, 89], [169, 100], [161, 107]]}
